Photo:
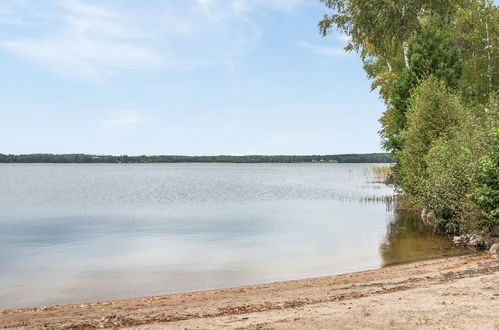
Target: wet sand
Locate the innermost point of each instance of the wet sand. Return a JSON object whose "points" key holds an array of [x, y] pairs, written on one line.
{"points": [[452, 293]]}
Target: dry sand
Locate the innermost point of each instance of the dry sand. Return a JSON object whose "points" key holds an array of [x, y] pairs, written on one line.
{"points": [[451, 293]]}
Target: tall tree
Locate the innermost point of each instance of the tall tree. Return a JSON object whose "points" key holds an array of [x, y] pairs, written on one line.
{"points": [[433, 52], [477, 30], [380, 28], [435, 63]]}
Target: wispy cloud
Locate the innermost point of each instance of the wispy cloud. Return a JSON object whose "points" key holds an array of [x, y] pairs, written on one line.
{"points": [[90, 41], [8, 16], [123, 121], [86, 39], [342, 38], [322, 50]]}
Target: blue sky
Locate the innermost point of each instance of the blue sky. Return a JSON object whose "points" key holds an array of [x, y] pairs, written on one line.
{"points": [[191, 77]]}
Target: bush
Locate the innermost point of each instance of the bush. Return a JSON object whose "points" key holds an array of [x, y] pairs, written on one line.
{"points": [[434, 52], [486, 193], [449, 156], [433, 114], [452, 168]]}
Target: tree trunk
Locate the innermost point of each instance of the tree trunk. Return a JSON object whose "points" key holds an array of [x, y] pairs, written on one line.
{"points": [[403, 27], [405, 48], [387, 63], [489, 58]]}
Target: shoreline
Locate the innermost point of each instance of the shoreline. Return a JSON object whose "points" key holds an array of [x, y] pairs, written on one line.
{"points": [[398, 295]]}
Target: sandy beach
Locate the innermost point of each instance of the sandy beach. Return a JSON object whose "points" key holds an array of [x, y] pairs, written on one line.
{"points": [[451, 293]]}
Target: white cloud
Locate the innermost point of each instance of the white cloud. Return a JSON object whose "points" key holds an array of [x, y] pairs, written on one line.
{"points": [[86, 39], [275, 4], [123, 121], [91, 42], [7, 16], [228, 8], [342, 37], [83, 57], [323, 50]]}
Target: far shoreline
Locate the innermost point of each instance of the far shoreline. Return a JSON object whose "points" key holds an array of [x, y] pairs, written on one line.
{"points": [[243, 159]]}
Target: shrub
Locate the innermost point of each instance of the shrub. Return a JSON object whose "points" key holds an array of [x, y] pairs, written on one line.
{"points": [[452, 167], [433, 114], [486, 193]]}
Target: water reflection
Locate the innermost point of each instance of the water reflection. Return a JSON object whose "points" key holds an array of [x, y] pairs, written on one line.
{"points": [[409, 239], [74, 232]]}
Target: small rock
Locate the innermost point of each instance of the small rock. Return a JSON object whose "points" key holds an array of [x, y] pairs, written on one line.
{"points": [[423, 215], [430, 217], [494, 249], [474, 241]]}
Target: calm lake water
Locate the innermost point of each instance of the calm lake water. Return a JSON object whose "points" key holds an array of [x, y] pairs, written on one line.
{"points": [[83, 232]]}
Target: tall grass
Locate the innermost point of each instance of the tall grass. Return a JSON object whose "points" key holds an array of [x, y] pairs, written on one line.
{"points": [[383, 174]]}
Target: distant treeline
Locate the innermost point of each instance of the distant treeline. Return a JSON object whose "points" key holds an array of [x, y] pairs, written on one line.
{"points": [[82, 158]]}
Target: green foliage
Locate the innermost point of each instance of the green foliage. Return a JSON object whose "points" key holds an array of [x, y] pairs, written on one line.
{"points": [[486, 193], [434, 52], [452, 166], [433, 114], [446, 144], [477, 31], [380, 28], [381, 31], [394, 119], [435, 64]]}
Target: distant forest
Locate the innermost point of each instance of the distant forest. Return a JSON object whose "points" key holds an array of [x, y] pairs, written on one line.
{"points": [[82, 158]]}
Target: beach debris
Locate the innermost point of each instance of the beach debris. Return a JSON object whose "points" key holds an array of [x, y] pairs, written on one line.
{"points": [[494, 249]]}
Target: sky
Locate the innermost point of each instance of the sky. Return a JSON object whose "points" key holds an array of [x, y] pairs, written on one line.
{"points": [[189, 77]]}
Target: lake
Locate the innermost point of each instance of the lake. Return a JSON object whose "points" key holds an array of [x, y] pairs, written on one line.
{"points": [[71, 233]]}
